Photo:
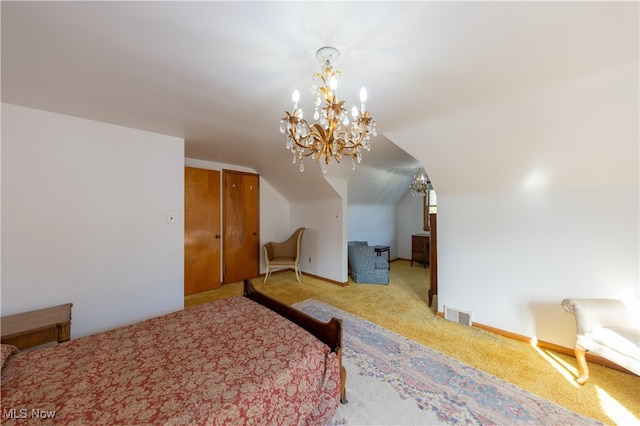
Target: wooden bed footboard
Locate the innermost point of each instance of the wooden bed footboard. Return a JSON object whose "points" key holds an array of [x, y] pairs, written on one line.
{"points": [[330, 333]]}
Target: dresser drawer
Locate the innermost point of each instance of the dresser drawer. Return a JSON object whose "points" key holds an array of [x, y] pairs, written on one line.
{"points": [[420, 249]]}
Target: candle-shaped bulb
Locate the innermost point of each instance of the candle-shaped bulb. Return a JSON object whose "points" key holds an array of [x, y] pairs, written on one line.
{"points": [[333, 83], [363, 99], [363, 95], [296, 96]]}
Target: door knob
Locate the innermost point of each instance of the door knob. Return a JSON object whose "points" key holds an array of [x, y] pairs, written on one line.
{"points": [[255, 233], [218, 237]]}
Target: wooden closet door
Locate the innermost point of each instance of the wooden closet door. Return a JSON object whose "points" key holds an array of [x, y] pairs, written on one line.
{"points": [[241, 226], [201, 230]]}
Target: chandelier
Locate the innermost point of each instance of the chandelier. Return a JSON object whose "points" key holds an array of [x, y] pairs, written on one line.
{"points": [[420, 184], [336, 134]]}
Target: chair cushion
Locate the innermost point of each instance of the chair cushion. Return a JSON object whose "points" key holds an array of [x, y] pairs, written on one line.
{"points": [[607, 328], [282, 261], [622, 339], [381, 263], [615, 344]]}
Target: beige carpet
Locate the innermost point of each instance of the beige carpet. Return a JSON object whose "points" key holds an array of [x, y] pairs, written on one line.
{"points": [[610, 396]]}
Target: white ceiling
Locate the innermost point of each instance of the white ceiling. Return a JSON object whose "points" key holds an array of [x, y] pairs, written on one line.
{"points": [[220, 74]]}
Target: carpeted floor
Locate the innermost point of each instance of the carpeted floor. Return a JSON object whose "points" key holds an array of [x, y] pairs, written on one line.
{"points": [[393, 380], [610, 396]]}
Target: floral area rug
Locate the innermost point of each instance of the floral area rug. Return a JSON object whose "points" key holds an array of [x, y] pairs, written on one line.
{"points": [[394, 380]]}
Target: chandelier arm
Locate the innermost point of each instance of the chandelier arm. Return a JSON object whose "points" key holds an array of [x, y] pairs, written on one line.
{"points": [[350, 150], [355, 143], [317, 133]]}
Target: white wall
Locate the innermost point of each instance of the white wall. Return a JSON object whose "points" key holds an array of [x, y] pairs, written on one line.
{"points": [[274, 208], [516, 258], [538, 200], [387, 224], [410, 222], [275, 221], [325, 237], [84, 219], [374, 223]]}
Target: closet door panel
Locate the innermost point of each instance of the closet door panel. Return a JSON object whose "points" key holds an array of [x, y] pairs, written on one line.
{"points": [[241, 226], [201, 230]]}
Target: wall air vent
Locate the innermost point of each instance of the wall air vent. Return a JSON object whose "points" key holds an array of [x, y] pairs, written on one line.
{"points": [[457, 315]]}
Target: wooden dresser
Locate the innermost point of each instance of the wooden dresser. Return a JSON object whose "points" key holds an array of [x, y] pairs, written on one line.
{"points": [[37, 327], [420, 249]]}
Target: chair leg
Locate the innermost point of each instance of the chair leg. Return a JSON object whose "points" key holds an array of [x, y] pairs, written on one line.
{"points": [[582, 364], [266, 275], [297, 271]]}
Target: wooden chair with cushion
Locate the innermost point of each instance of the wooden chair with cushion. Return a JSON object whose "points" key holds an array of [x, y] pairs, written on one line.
{"points": [[284, 255]]}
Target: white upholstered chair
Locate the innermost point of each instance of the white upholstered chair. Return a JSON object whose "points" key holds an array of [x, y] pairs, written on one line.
{"points": [[284, 255], [609, 328]]}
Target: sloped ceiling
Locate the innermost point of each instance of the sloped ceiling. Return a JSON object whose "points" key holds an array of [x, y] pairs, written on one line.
{"points": [[220, 74]]}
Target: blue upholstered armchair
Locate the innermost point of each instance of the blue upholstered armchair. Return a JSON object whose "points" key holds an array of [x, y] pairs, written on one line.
{"points": [[365, 265]]}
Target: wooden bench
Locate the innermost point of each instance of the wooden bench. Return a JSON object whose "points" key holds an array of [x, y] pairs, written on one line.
{"points": [[37, 327]]}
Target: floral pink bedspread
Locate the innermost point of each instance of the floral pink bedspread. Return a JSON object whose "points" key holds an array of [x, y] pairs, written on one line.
{"points": [[227, 362]]}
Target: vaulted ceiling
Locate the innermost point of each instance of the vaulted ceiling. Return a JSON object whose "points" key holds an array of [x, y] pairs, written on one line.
{"points": [[220, 74]]}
